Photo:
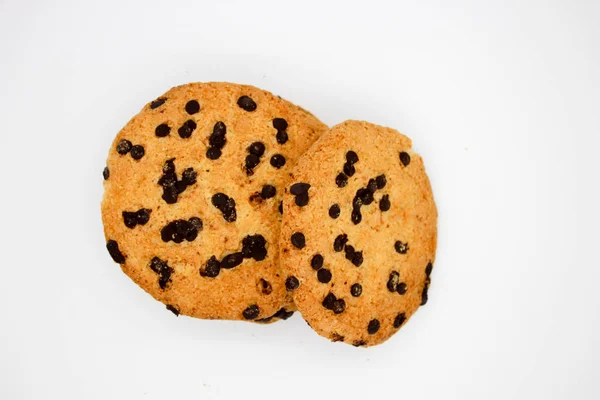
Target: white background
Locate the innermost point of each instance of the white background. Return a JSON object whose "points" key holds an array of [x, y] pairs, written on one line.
{"points": [[501, 99]]}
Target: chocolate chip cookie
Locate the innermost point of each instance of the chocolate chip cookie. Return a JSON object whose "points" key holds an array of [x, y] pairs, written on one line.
{"points": [[191, 207], [358, 235]]}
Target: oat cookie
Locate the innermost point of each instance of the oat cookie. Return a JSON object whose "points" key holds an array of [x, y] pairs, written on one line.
{"points": [[191, 207], [358, 235]]}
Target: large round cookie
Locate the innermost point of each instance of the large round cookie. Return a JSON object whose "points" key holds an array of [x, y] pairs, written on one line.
{"points": [[191, 207], [358, 234]]}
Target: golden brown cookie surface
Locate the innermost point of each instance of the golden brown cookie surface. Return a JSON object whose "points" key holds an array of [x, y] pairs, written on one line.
{"points": [[192, 193], [358, 235]]}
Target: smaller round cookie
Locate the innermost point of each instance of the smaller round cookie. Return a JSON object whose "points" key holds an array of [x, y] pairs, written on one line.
{"points": [[358, 235]]}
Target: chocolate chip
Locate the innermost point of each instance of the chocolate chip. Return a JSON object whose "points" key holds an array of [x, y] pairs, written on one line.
{"points": [[213, 153], [129, 219], [232, 260], [105, 173], [219, 129], [424, 293], [357, 258], [124, 147], [158, 102], [169, 166], [329, 301], [281, 207], [404, 158], [316, 262], [292, 283], [196, 223], [167, 232], [265, 287], [183, 227], [282, 137], [253, 246], [399, 320], [283, 314], [251, 162], [371, 187], [359, 343], [226, 205], [192, 107], [428, 269], [339, 242], [356, 290], [351, 157], [185, 130], [401, 289], [113, 249], [212, 268], [180, 230], [349, 169], [162, 130], [341, 180], [170, 194], [280, 124], [324, 275], [384, 203], [251, 312], [172, 187], [301, 200], [173, 310], [278, 161], [381, 181], [163, 270], [401, 247], [299, 188], [336, 337], [219, 200], [300, 191], [393, 279], [189, 176], [256, 148], [168, 179], [216, 141], [246, 103], [338, 306], [373, 326], [334, 211], [364, 196], [180, 186], [229, 214], [177, 185], [268, 192], [191, 235], [298, 240], [143, 216]]}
